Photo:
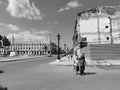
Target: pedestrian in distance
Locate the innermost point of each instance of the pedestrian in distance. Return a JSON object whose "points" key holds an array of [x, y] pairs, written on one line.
{"points": [[79, 61], [75, 65], [69, 57], [76, 56]]}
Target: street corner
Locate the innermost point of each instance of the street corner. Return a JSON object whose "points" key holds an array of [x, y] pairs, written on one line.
{"points": [[62, 62]]}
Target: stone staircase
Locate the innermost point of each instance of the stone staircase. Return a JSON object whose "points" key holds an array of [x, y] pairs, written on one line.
{"points": [[102, 51]]}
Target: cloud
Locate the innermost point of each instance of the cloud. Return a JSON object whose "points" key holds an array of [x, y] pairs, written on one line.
{"points": [[61, 9], [55, 22], [29, 36], [71, 4], [3, 24], [44, 32], [1, 2], [41, 32], [11, 27], [24, 9]]}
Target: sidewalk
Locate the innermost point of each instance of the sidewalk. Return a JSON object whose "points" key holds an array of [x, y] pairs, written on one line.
{"points": [[69, 62], [90, 69], [62, 61], [16, 58]]}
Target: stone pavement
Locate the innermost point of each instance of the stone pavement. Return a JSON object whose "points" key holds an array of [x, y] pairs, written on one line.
{"points": [[16, 58], [66, 62], [57, 77]]}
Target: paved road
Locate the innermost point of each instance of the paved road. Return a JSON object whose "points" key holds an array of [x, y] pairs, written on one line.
{"points": [[11, 67], [37, 74]]}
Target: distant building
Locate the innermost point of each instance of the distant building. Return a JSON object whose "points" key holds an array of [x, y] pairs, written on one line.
{"points": [[98, 25], [4, 51], [30, 48]]}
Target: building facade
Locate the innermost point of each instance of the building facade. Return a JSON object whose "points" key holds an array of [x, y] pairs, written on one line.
{"points": [[98, 25], [30, 48]]}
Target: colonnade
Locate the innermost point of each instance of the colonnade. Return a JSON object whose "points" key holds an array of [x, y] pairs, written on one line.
{"points": [[30, 49]]}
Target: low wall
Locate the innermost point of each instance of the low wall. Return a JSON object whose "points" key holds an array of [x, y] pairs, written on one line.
{"points": [[102, 51]]}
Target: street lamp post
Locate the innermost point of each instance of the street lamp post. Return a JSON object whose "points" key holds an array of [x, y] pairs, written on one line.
{"points": [[58, 37], [98, 29]]}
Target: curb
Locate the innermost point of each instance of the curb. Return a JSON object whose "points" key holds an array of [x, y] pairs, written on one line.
{"points": [[18, 59]]}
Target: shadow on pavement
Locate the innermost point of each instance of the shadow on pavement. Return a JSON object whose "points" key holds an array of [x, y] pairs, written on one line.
{"points": [[111, 67], [1, 71], [89, 73]]}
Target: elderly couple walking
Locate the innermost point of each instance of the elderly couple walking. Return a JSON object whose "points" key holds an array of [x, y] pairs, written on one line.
{"points": [[79, 62]]}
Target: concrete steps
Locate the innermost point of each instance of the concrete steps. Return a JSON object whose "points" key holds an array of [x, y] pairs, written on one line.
{"points": [[102, 51]]}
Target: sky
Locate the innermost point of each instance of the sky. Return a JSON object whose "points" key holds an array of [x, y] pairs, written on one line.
{"points": [[33, 20]]}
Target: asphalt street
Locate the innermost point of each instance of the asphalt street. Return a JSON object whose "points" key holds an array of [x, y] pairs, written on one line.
{"points": [[11, 67], [38, 74]]}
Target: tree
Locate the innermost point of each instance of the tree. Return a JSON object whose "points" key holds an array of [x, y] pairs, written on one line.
{"points": [[53, 48], [1, 37], [6, 42]]}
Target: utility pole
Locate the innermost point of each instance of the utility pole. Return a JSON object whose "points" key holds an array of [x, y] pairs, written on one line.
{"points": [[13, 42], [58, 37], [111, 30], [50, 51], [98, 29]]}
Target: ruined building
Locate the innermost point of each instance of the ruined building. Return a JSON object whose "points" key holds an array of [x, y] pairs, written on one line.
{"points": [[98, 25], [99, 30]]}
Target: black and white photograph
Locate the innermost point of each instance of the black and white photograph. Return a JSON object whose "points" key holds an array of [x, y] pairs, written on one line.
{"points": [[59, 44]]}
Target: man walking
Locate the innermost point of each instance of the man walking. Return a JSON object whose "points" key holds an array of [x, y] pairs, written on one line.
{"points": [[79, 61]]}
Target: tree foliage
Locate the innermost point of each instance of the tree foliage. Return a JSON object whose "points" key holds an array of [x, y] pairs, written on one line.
{"points": [[4, 41], [53, 48], [1, 37]]}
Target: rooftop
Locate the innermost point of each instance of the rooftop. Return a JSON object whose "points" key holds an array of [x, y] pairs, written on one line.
{"points": [[102, 10]]}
